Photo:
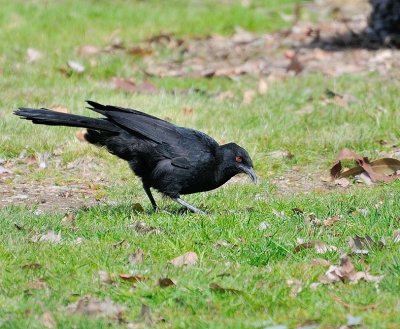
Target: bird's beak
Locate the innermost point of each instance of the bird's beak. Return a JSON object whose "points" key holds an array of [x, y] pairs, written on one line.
{"points": [[250, 171]]}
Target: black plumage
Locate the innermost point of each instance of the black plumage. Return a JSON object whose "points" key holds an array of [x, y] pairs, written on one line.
{"points": [[172, 159]]}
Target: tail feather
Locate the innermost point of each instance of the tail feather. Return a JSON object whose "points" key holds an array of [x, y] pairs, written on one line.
{"points": [[53, 118]]}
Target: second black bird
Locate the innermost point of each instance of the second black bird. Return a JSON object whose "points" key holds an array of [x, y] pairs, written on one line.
{"points": [[171, 159]]}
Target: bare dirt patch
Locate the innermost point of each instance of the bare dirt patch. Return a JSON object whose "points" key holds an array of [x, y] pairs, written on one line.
{"points": [[80, 186]]}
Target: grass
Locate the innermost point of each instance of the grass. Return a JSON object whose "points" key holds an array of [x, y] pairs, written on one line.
{"points": [[258, 262]]}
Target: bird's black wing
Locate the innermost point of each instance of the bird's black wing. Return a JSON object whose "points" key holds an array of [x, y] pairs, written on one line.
{"points": [[172, 142]]}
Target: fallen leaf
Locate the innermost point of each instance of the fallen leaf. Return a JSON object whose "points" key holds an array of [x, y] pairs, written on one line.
{"points": [[50, 236], [48, 321], [33, 55], [93, 307], [379, 170], [88, 50], [248, 96], [140, 51], [76, 67], [132, 277], [320, 247], [189, 259], [343, 182], [129, 86], [165, 282], [216, 287], [136, 258], [312, 220], [331, 220], [296, 287], [262, 86], [346, 272], [361, 245]]}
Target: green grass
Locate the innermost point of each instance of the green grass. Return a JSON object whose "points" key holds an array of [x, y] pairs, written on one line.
{"points": [[258, 262]]}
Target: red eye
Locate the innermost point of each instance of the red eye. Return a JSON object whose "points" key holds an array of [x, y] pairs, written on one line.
{"points": [[238, 159]]}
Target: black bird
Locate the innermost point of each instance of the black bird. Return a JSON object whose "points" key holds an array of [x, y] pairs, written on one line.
{"points": [[172, 159]]}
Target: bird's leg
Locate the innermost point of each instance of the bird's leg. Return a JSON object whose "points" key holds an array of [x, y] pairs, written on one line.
{"points": [[188, 206], [150, 196]]}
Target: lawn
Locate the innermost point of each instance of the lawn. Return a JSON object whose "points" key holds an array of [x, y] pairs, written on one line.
{"points": [[246, 243]]}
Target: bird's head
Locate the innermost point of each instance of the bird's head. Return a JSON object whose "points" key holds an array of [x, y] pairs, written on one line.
{"points": [[236, 160]]}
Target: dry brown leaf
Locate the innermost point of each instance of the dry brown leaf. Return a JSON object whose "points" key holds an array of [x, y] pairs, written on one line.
{"points": [[132, 277], [312, 220], [166, 282], [140, 51], [48, 321], [346, 272], [216, 287], [93, 307], [331, 220], [379, 170], [320, 247], [130, 86], [361, 245], [88, 50], [248, 96], [343, 182], [189, 259], [296, 287], [136, 258], [262, 86], [50, 236]]}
